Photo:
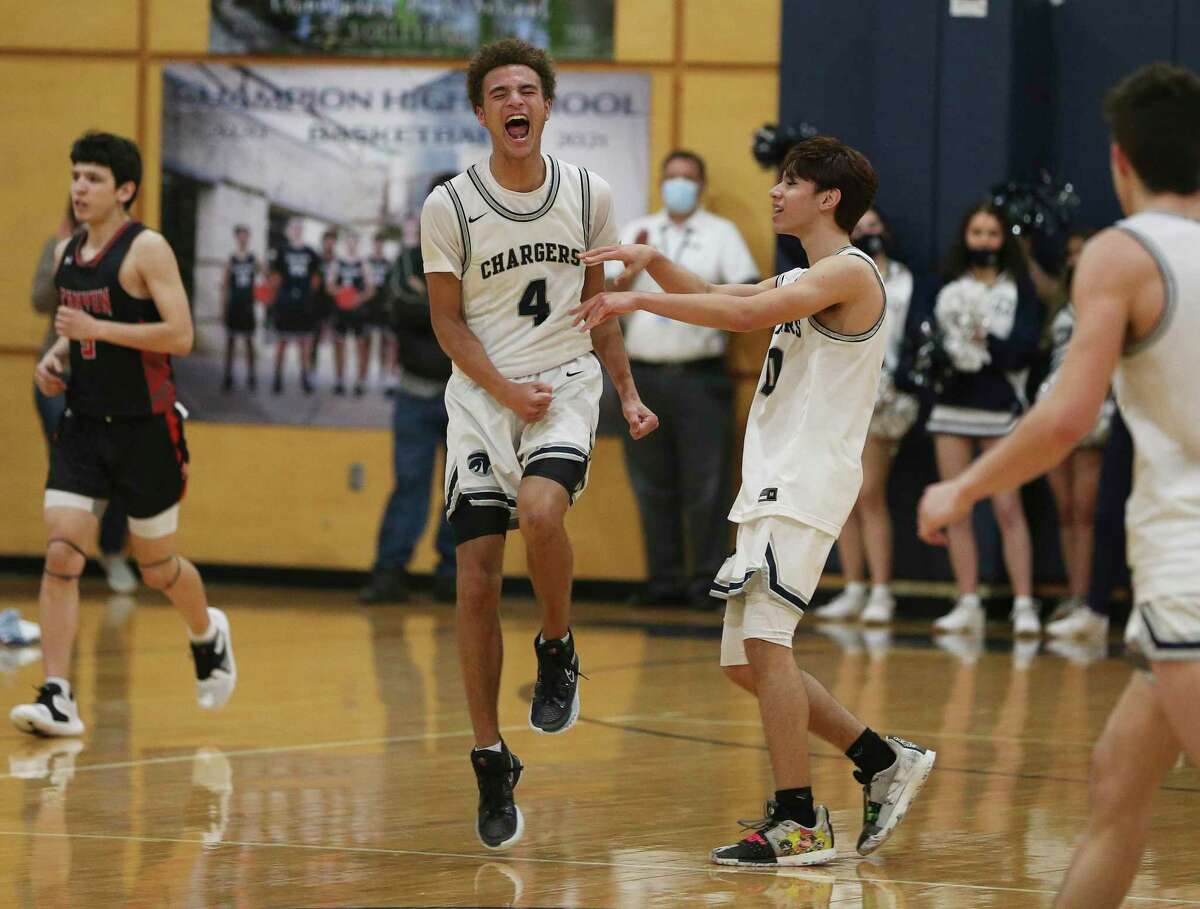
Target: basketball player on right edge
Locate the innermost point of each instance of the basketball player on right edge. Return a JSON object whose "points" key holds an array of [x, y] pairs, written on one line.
{"points": [[1137, 300], [801, 473]]}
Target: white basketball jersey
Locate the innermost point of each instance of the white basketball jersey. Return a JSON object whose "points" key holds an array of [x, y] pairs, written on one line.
{"points": [[803, 453], [1158, 389], [517, 255]]}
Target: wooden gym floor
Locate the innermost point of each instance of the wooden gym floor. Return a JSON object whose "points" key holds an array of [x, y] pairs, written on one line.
{"points": [[338, 775]]}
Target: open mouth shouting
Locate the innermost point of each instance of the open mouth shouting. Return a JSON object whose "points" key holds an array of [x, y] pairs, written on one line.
{"points": [[517, 127]]}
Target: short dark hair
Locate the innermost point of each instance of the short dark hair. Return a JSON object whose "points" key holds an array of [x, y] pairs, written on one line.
{"points": [[444, 177], [686, 156], [330, 233], [1012, 257], [118, 154], [1154, 113], [241, 228], [831, 164], [509, 52]]}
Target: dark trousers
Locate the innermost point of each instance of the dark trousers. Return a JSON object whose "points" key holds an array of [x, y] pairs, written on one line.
{"points": [[418, 431], [113, 525], [1109, 567], [680, 473]]}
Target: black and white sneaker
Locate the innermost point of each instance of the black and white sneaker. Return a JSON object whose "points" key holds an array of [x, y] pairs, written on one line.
{"points": [[499, 823], [53, 713], [888, 794], [216, 672], [555, 705]]}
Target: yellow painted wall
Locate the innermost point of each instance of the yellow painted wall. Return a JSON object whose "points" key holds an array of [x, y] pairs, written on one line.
{"points": [[278, 495]]}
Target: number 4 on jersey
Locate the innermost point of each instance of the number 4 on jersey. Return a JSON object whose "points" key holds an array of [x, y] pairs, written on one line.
{"points": [[534, 303]]}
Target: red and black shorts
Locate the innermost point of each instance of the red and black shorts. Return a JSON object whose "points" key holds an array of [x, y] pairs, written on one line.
{"points": [[141, 462]]}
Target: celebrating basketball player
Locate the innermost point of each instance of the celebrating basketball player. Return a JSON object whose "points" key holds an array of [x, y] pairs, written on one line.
{"points": [[801, 473], [122, 314], [1137, 301], [501, 245]]}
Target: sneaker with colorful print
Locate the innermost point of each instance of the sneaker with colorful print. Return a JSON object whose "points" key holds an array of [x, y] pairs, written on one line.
{"points": [[779, 841]]}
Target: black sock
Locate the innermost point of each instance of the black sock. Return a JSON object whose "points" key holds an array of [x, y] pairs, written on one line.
{"points": [[796, 805], [870, 753]]}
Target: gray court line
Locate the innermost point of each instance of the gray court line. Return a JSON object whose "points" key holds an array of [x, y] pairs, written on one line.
{"points": [[707, 870]]}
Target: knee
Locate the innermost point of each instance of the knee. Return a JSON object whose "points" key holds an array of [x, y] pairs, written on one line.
{"points": [[64, 560], [1112, 799], [1009, 514], [478, 586], [161, 574], [540, 521]]}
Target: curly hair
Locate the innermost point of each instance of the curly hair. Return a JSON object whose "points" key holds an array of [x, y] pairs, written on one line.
{"points": [[509, 52]]}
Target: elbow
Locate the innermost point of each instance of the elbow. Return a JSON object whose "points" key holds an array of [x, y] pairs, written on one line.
{"points": [[184, 342], [1068, 428], [741, 319]]}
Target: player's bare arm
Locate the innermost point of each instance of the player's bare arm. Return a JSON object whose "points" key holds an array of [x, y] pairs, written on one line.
{"points": [[150, 270], [529, 400], [671, 277], [839, 282], [1113, 272], [610, 348], [49, 372]]}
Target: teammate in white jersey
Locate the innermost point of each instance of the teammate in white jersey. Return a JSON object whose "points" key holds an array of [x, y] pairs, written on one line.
{"points": [[801, 473], [502, 246], [1137, 302]]}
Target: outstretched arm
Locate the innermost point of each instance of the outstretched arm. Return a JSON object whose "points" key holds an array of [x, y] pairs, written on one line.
{"points": [[830, 282], [610, 348], [157, 269], [671, 277], [1106, 281]]}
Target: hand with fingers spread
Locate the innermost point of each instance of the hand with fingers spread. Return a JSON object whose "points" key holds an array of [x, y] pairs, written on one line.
{"points": [[636, 257], [599, 309], [528, 400], [48, 375], [641, 419], [942, 505]]}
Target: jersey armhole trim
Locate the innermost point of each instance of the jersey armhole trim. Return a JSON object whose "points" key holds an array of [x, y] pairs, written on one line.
{"points": [[856, 253], [585, 190], [463, 227], [1170, 292]]}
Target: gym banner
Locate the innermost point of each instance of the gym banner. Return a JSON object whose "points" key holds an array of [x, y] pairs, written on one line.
{"points": [[569, 29], [292, 197]]}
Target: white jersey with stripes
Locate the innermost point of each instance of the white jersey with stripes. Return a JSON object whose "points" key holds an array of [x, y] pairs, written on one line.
{"points": [[517, 255], [802, 458]]}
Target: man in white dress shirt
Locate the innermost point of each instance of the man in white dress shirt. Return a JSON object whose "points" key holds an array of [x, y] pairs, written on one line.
{"points": [[681, 474]]}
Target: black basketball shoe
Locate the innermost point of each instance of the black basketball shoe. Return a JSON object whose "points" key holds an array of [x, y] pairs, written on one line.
{"points": [[555, 705], [499, 823]]}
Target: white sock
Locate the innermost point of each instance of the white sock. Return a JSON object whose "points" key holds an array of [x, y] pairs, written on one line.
{"points": [[496, 747], [210, 634], [881, 590], [856, 588], [62, 683], [970, 599], [564, 639], [1022, 602]]}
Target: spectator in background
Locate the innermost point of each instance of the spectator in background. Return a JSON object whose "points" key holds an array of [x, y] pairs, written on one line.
{"points": [[418, 431], [324, 306], [991, 320], [681, 473], [869, 526], [113, 526], [1074, 482], [241, 273]]}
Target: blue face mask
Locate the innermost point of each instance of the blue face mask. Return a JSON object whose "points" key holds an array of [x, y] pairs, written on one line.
{"points": [[680, 195]]}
